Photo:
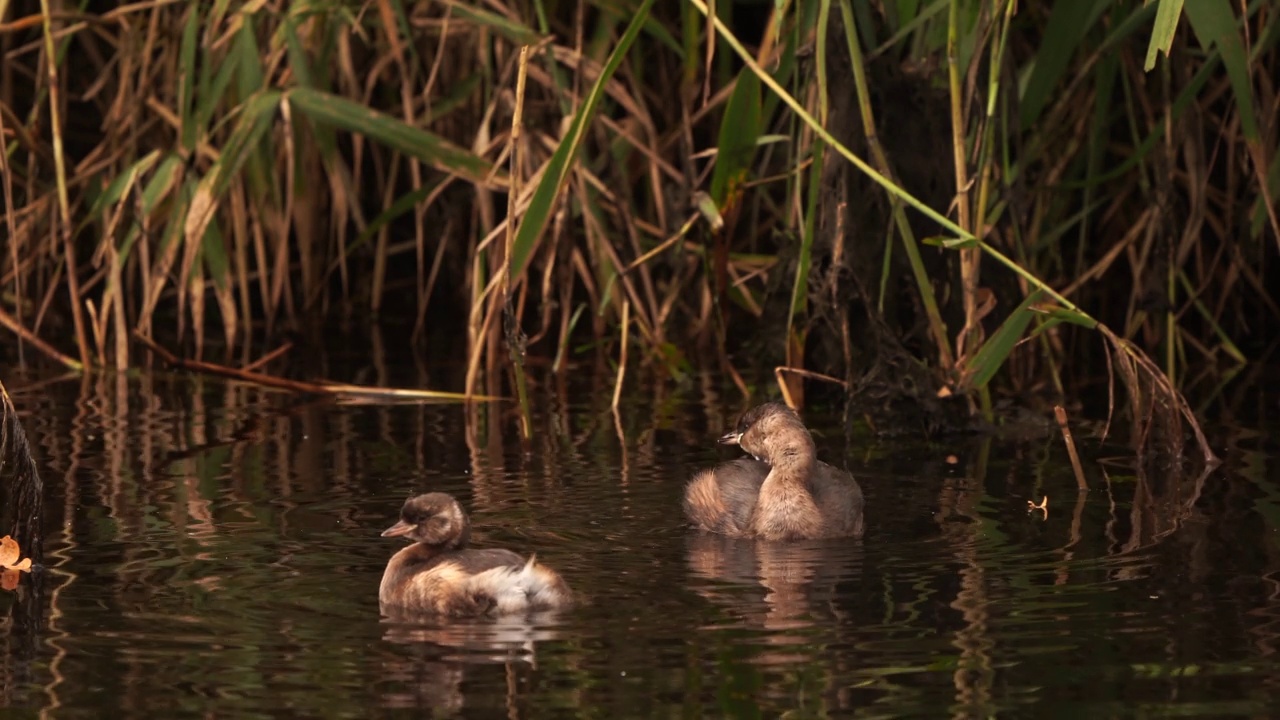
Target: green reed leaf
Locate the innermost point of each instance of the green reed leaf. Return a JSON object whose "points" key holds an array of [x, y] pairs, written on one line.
{"points": [[251, 127], [250, 80], [432, 149], [1067, 315], [157, 189], [117, 188], [1162, 34], [1214, 23], [213, 252], [186, 78], [1068, 23], [739, 137], [402, 206], [212, 92], [990, 357]]}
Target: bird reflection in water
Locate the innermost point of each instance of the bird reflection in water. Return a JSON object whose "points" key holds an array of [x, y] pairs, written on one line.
{"points": [[801, 602], [445, 650], [800, 582]]}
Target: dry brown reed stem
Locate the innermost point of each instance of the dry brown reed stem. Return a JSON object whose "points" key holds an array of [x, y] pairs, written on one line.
{"points": [[169, 358], [23, 333], [665, 244], [1140, 361], [512, 318], [1061, 415], [1110, 256], [781, 372], [60, 169], [340, 391], [622, 354], [269, 356], [970, 258]]}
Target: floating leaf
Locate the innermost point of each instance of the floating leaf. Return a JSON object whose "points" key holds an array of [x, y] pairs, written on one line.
{"points": [[9, 554]]}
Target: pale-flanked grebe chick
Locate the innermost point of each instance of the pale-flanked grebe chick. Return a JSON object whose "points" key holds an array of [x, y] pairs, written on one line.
{"points": [[784, 493], [438, 573]]}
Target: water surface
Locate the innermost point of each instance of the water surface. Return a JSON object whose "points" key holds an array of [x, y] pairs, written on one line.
{"points": [[211, 548]]}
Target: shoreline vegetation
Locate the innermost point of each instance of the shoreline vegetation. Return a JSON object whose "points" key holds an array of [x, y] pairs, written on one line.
{"points": [[928, 208]]}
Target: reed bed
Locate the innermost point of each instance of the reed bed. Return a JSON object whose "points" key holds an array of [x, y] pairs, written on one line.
{"points": [[903, 199]]}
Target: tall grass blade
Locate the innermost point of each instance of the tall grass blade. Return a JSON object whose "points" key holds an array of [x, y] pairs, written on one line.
{"points": [[187, 77], [60, 172]]}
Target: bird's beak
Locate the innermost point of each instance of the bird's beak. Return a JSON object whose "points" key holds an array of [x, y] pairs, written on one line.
{"points": [[400, 528], [730, 438]]}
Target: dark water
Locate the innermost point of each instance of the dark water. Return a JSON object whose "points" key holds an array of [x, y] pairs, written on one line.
{"points": [[213, 550]]}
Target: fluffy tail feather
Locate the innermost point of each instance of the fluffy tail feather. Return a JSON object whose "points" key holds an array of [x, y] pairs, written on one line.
{"points": [[530, 587]]}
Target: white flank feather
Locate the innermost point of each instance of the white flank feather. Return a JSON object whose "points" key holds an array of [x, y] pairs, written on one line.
{"points": [[515, 589]]}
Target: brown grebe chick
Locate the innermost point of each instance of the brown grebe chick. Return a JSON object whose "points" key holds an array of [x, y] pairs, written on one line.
{"points": [[438, 573], [783, 492]]}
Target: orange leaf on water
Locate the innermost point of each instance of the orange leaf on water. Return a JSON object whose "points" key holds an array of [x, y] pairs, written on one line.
{"points": [[9, 553], [9, 579]]}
